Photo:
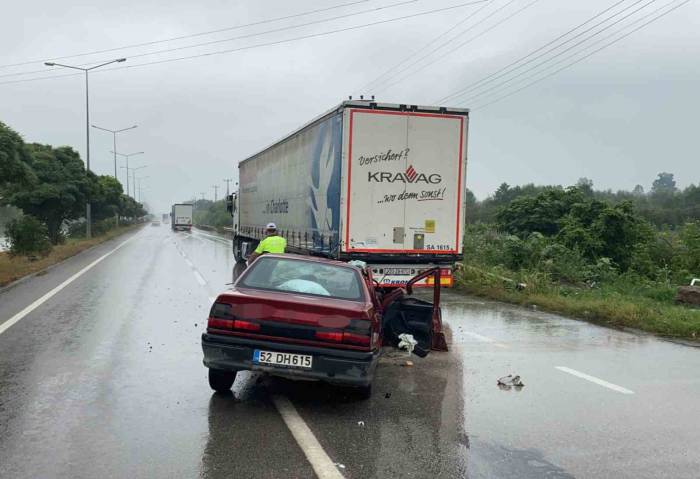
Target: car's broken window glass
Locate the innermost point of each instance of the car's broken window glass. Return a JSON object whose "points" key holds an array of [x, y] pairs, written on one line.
{"points": [[290, 275]]}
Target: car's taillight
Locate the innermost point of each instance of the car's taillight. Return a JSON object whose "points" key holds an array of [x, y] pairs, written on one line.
{"points": [[221, 317], [353, 338], [220, 323], [335, 336], [343, 337], [246, 325]]}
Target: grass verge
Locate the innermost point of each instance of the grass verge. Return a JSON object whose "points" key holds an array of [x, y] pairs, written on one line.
{"points": [[13, 268], [605, 305]]}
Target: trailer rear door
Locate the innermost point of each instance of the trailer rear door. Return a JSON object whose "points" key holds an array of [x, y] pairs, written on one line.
{"points": [[403, 182]]}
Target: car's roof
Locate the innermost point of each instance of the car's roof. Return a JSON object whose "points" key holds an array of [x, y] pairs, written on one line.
{"points": [[311, 259]]}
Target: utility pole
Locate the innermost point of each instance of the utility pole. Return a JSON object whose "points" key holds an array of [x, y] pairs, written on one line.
{"points": [[216, 190], [228, 182]]}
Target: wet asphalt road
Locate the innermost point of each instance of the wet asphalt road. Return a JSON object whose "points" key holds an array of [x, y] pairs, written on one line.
{"points": [[105, 379]]}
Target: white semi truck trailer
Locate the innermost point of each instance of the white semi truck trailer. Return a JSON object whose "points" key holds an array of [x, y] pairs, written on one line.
{"points": [[381, 183], [181, 217]]}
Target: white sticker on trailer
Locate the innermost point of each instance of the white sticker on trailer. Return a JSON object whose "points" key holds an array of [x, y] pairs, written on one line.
{"points": [[405, 171]]}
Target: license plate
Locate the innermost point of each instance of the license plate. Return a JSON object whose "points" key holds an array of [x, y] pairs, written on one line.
{"points": [[400, 271], [282, 359]]}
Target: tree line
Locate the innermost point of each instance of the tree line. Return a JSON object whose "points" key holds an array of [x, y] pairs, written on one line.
{"points": [[582, 236], [51, 187]]}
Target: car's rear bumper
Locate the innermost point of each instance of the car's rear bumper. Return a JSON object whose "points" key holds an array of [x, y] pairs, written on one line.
{"points": [[353, 368]]}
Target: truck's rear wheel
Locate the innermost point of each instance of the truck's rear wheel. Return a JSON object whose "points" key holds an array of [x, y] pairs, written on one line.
{"points": [[221, 381], [238, 250]]}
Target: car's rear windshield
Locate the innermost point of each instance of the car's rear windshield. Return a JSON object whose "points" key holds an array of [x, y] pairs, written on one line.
{"points": [[305, 277]]}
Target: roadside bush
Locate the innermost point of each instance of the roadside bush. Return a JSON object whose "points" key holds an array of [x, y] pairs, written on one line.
{"points": [[28, 236]]}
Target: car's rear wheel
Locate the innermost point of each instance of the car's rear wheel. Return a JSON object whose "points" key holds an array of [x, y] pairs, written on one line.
{"points": [[221, 381]]}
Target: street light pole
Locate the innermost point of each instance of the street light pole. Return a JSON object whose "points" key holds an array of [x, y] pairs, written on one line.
{"points": [[114, 142], [216, 190], [88, 213], [139, 185], [127, 169], [133, 176]]}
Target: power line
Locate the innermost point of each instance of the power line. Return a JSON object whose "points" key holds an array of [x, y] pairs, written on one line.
{"points": [[366, 86], [259, 45], [467, 87], [471, 39], [381, 84], [240, 37], [573, 47], [182, 37], [484, 105]]}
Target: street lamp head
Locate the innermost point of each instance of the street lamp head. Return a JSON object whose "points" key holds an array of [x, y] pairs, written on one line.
{"points": [[49, 64]]}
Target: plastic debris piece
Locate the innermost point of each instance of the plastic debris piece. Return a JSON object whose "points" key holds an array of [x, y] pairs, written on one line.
{"points": [[408, 364], [407, 342], [337, 464], [512, 380], [358, 263], [361, 423]]}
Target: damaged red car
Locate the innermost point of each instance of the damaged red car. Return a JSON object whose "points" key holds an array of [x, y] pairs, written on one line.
{"points": [[312, 318]]}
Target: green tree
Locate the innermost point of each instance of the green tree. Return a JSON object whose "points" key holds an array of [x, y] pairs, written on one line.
{"points": [[61, 190], [15, 169], [28, 236], [541, 213], [664, 183], [107, 197]]}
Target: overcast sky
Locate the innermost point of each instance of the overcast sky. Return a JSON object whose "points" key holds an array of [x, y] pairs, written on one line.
{"points": [[619, 117]]}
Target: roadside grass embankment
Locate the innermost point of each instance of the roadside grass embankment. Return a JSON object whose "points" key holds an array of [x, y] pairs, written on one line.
{"points": [[13, 268], [621, 304]]}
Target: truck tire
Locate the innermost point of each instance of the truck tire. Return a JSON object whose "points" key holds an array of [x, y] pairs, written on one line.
{"points": [[221, 381], [237, 250]]}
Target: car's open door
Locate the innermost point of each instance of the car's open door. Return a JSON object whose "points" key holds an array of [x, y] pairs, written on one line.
{"points": [[423, 319]]}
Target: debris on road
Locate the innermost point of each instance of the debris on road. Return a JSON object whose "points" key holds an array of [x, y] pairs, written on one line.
{"points": [[407, 342], [341, 466], [509, 381], [361, 423], [407, 364]]}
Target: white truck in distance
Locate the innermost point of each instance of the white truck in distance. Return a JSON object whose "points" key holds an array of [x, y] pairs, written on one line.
{"points": [[381, 183], [181, 217]]}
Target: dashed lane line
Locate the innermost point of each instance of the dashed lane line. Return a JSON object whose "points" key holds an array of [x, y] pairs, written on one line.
{"points": [[321, 463], [199, 278], [19, 316], [595, 380]]}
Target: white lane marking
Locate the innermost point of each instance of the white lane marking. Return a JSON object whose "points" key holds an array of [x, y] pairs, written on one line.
{"points": [[322, 465], [199, 278], [484, 339], [17, 317], [595, 380], [189, 263]]}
